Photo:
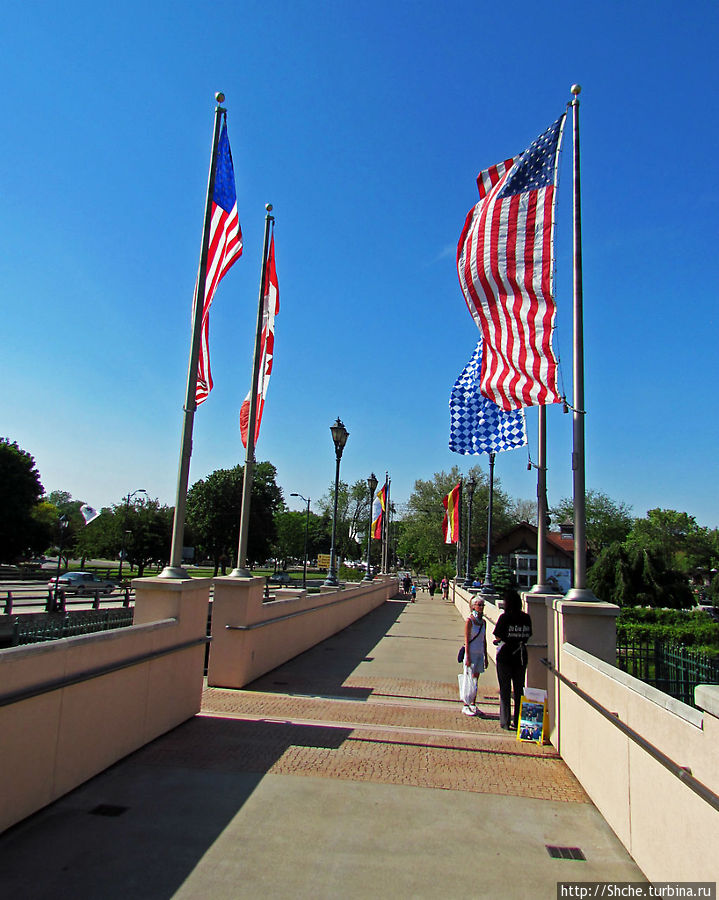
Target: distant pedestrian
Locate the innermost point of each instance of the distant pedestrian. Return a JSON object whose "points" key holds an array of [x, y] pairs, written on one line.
{"points": [[475, 649], [413, 592], [407, 584], [431, 586], [444, 585], [511, 633]]}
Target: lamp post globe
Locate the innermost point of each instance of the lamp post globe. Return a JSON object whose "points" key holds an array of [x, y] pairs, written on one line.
{"points": [[372, 485], [339, 438]]}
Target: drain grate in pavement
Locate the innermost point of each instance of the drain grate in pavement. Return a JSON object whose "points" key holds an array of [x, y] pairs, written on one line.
{"points": [[107, 809], [565, 852]]}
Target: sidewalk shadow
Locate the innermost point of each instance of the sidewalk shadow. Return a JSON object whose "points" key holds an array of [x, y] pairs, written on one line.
{"points": [[324, 668], [140, 828]]}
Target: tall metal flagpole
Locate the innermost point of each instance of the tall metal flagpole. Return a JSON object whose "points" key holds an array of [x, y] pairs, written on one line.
{"points": [[242, 571], [541, 587], [175, 570], [459, 528], [580, 590], [487, 586]]}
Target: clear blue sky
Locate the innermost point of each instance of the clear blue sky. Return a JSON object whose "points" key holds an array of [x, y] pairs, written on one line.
{"points": [[365, 125]]}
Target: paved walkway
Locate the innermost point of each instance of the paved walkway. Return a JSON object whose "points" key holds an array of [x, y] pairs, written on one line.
{"points": [[349, 771]]}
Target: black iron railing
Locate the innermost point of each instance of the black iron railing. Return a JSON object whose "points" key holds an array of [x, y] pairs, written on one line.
{"points": [[673, 669]]}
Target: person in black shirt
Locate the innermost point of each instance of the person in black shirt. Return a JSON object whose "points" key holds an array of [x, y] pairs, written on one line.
{"points": [[511, 633]]}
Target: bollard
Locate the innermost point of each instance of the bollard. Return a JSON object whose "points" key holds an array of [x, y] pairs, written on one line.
{"points": [[61, 602], [126, 601], [8, 604], [96, 601]]}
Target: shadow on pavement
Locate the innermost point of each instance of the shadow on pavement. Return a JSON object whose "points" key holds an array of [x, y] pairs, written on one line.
{"points": [[325, 668]]}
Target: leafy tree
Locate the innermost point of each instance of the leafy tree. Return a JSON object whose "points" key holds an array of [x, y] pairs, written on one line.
{"points": [[68, 524], [213, 513], [607, 520], [352, 517], [631, 576], [684, 545], [421, 539], [290, 528], [20, 492], [523, 511]]}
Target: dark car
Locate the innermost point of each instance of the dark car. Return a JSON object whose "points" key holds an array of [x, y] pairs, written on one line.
{"points": [[81, 583], [280, 578]]}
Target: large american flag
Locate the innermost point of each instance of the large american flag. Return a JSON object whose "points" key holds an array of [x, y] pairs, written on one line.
{"points": [[505, 267], [270, 308], [225, 248]]}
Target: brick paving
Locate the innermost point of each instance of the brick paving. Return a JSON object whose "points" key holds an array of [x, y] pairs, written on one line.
{"points": [[336, 712]]}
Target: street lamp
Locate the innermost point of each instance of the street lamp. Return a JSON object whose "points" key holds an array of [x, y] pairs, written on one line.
{"points": [[126, 531], [52, 600], [307, 526], [488, 587], [339, 437], [471, 485], [372, 485]]}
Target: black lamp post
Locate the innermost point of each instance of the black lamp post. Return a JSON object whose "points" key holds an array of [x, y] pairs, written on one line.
{"points": [[339, 437], [372, 485], [307, 526], [488, 587], [52, 600], [126, 531], [471, 485]]}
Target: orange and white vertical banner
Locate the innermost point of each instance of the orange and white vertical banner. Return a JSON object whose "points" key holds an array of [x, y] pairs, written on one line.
{"points": [[450, 524]]}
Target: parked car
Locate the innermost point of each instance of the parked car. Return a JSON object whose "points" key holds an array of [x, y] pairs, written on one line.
{"points": [[280, 578], [81, 583]]}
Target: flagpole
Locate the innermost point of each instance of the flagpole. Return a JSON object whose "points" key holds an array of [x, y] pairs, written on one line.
{"points": [[175, 569], [242, 571], [541, 586], [459, 528], [580, 590], [487, 586]]}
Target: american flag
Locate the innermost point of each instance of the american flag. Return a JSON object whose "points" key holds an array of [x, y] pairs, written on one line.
{"points": [[505, 262], [270, 308], [225, 248]]}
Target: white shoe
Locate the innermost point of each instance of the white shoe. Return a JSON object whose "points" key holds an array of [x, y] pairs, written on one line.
{"points": [[467, 710], [473, 709]]}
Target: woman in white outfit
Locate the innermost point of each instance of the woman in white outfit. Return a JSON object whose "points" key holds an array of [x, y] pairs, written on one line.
{"points": [[475, 648]]}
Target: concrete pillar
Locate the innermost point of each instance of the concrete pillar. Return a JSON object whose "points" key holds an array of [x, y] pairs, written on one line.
{"points": [[537, 648], [184, 599], [587, 625], [237, 601]]}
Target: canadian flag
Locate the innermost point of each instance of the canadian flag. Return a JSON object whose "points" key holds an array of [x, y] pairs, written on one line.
{"points": [[271, 307]]}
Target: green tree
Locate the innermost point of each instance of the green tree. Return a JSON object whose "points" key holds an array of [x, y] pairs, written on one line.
{"points": [[68, 525], [290, 527], [607, 520], [20, 492], [632, 576], [684, 545], [213, 513], [352, 517], [421, 541]]}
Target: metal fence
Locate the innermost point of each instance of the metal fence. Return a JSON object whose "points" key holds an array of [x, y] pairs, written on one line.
{"points": [[673, 669], [34, 629]]}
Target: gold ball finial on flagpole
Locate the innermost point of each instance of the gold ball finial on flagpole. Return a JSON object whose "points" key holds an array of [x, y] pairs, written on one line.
{"points": [[576, 89], [268, 207], [220, 97]]}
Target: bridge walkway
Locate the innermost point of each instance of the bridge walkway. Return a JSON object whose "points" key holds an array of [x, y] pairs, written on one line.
{"points": [[349, 771]]}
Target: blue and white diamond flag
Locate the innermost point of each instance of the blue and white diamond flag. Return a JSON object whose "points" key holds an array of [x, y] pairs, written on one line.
{"points": [[476, 425]]}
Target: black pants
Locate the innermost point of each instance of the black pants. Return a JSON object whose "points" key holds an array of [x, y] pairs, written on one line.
{"points": [[511, 681]]}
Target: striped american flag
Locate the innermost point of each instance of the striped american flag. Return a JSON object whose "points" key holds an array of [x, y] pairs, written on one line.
{"points": [[505, 267], [225, 248]]}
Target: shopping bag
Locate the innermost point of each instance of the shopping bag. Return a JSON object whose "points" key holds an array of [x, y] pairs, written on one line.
{"points": [[467, 686]]}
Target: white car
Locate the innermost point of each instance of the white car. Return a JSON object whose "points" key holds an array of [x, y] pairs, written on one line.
{"points": [[81, 583]]}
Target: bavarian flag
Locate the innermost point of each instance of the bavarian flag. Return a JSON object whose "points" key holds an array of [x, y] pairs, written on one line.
{"points": [[378, 508], [450, 525]]}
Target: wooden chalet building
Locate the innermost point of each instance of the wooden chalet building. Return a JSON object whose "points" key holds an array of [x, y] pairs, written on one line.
{"points": [[518, 548]]}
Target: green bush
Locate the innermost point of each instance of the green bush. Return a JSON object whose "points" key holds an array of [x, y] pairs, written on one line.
{"points": [[693, 629]]}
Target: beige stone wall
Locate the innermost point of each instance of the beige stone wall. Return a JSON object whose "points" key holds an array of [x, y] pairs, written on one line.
{"points": [[671, 832], [250, 637], [68, 732]]}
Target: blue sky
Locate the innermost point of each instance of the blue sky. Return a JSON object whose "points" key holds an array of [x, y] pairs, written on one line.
{"points": [[365, 125]]}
